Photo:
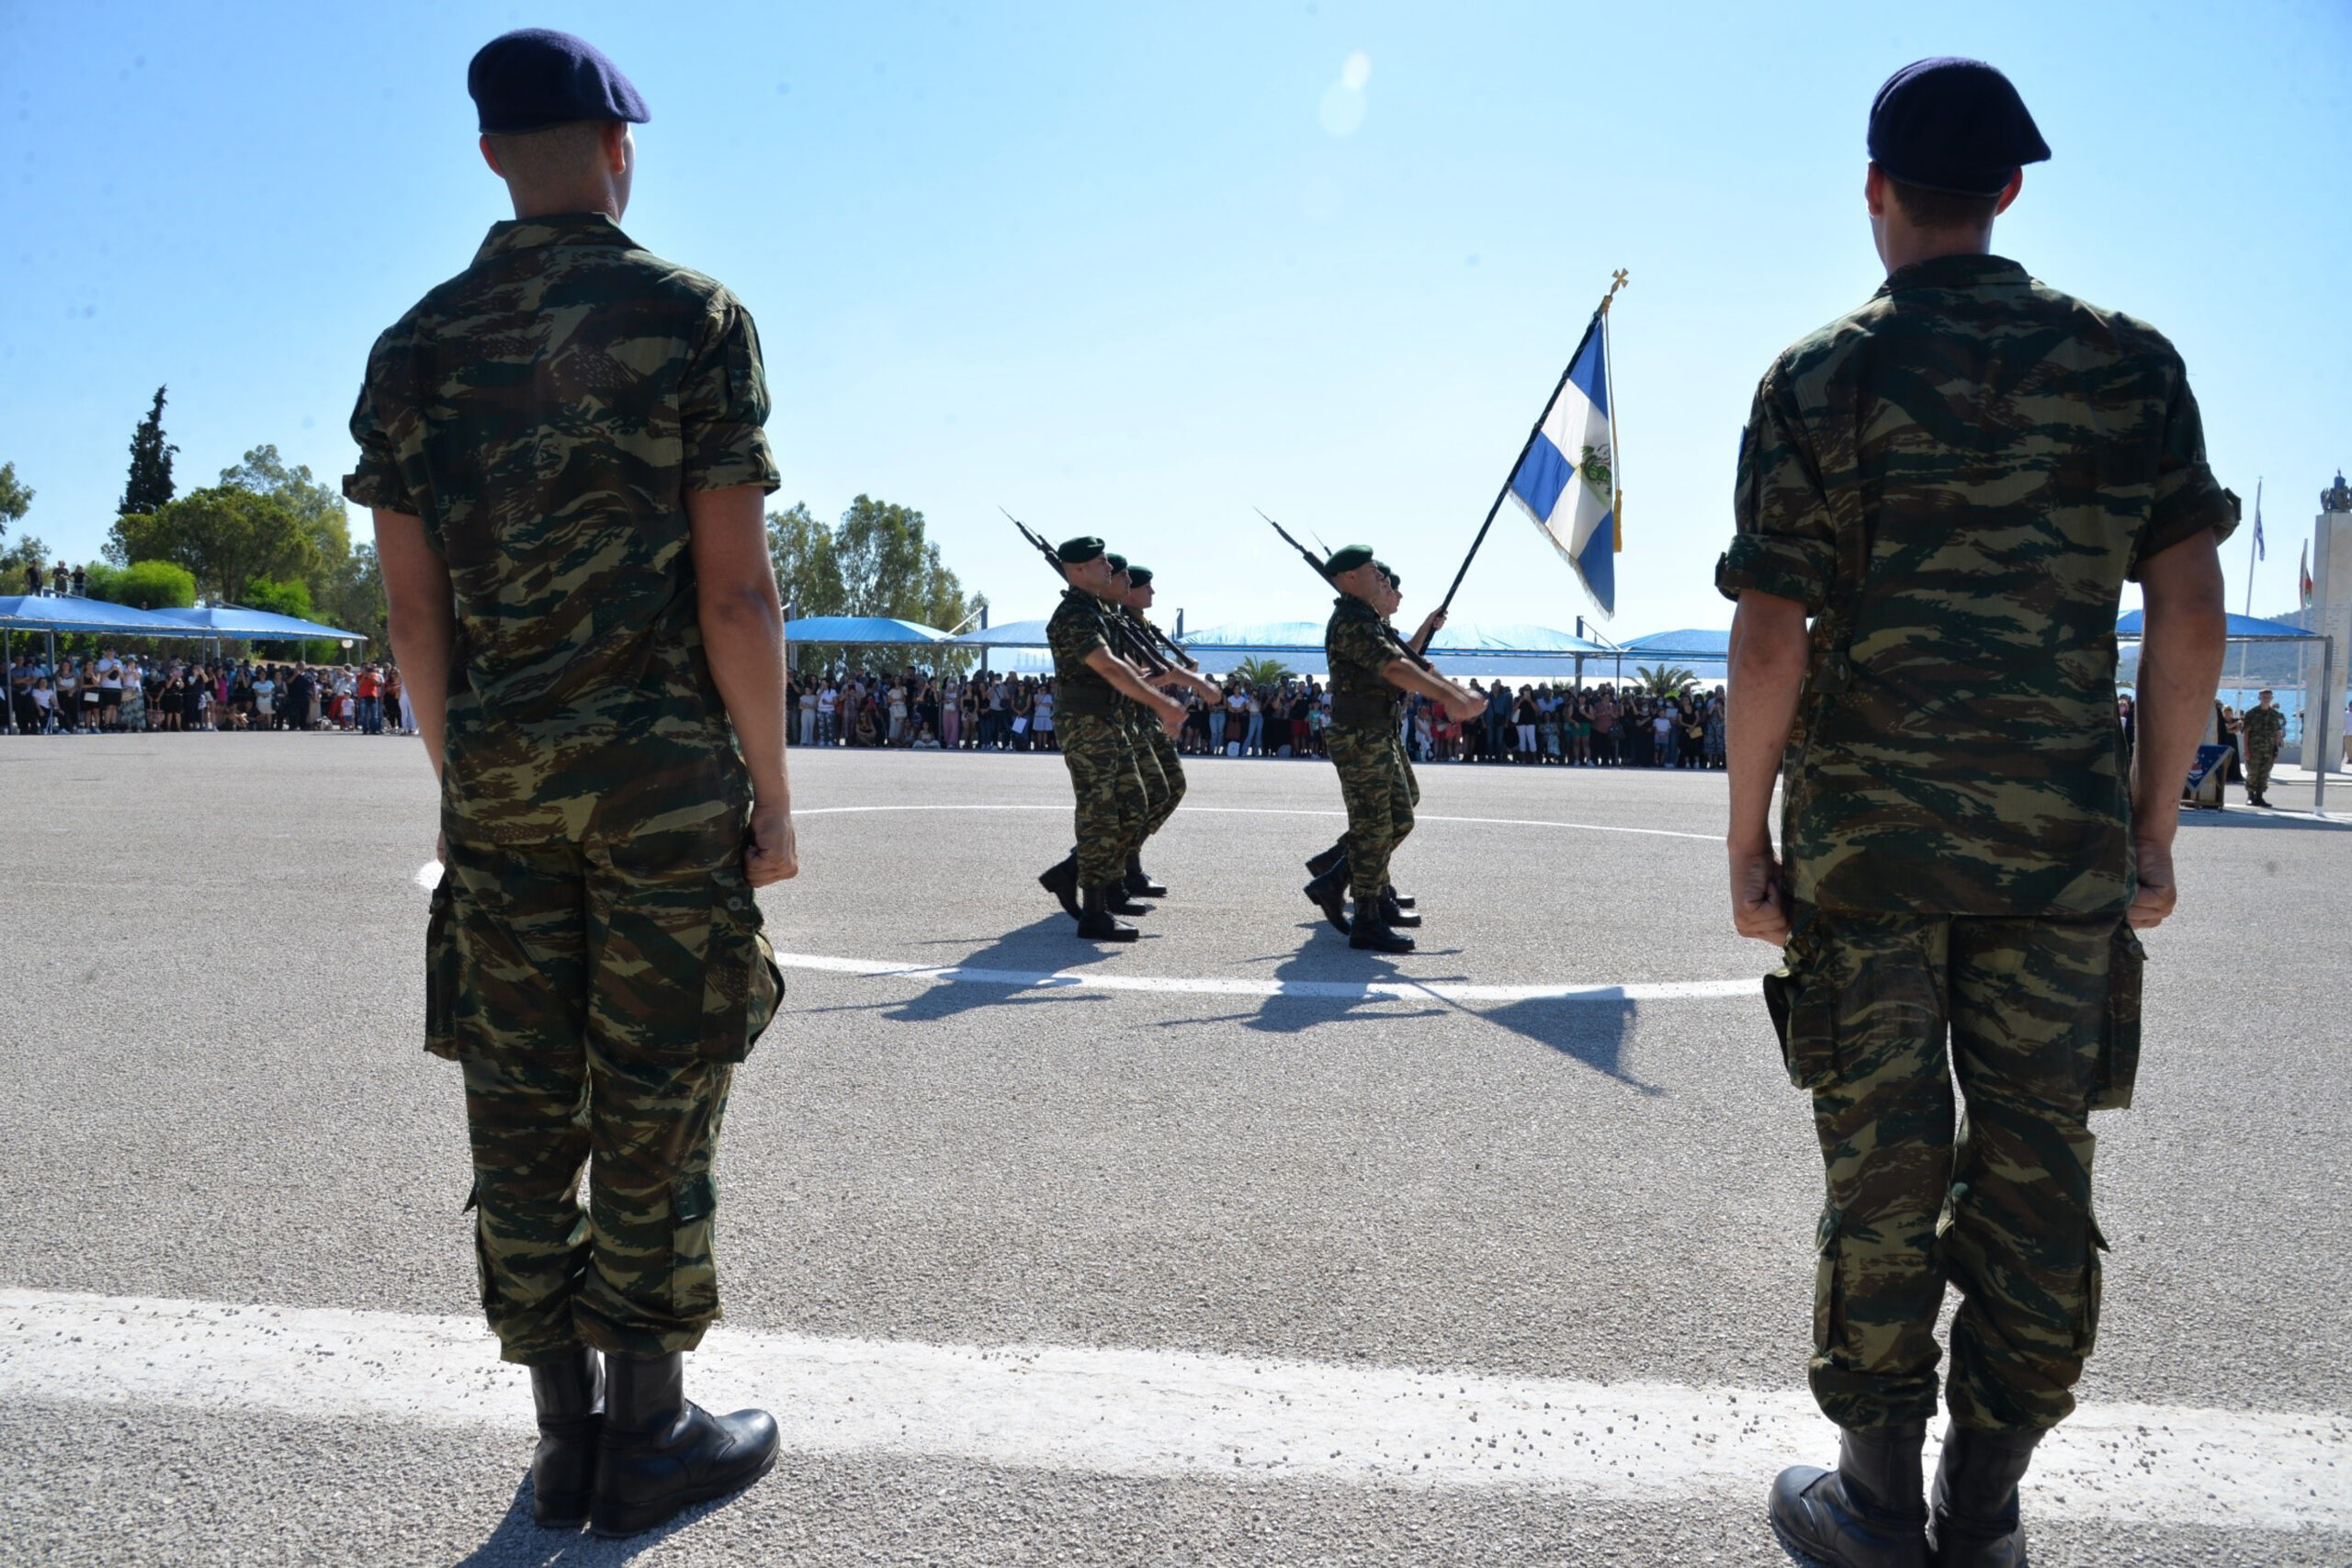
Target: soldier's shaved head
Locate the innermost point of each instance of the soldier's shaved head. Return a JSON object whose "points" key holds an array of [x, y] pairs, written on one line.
{"points": [[585, 165]]}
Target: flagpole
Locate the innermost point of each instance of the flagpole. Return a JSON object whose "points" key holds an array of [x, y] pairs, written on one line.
{"points": [[2252, 554], [1528, 445], [1616, 445]]}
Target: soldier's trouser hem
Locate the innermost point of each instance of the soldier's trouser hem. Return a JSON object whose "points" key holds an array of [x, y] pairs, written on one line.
{"points": [[1999, 1205]]}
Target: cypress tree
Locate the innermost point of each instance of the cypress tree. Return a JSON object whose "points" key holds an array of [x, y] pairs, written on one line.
{"points": [[150, 484]]}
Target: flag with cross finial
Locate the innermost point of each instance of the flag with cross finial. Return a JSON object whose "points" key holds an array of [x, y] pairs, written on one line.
{"points": [[1567, 477]]}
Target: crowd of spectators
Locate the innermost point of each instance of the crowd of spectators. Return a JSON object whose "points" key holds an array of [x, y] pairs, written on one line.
{"points": [[111, 694], [1552, 724]]}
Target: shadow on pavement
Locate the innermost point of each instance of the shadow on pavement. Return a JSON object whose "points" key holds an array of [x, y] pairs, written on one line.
{"points": [[519, 1543], [1045, 945], [2256, 818]]}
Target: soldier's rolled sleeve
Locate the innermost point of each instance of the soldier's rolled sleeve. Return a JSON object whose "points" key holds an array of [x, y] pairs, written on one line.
{"points": [[2188, 499], [377, 482], [722, 404], [1786, 543]]}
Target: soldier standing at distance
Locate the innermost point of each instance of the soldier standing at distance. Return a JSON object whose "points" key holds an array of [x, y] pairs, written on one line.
{"points": [[1133, 596], [1090, 678], [562, 449], [1370, 671], [1953, 481], [2265, 727]]}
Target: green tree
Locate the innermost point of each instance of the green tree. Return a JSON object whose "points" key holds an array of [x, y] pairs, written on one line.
{"points": [[16, 498], [889, 567], [1663, 680], [226, 535], [319, 506], [142, 585], [807, 573], [150, 484], [28, 550], [1265, 672]]}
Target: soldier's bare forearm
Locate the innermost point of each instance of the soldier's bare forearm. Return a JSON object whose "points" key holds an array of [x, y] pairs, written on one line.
{"points": [[742, 628], [1766, 673], [422, 617], [2182, 639]]}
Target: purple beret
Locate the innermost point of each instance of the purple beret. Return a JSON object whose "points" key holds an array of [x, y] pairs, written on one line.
{"points": [[1952, 125], [534, 77]]}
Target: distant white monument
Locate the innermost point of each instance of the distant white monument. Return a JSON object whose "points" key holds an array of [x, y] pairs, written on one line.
{"points": [[2332, 617]]}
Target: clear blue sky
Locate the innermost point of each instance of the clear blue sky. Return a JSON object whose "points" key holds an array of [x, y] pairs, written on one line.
{"points": [[1134, 269]]}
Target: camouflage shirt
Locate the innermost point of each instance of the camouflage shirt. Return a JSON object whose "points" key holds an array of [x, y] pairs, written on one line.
{"points": [[1955, 480], [545, 413], [1074, 630], [1357, 646], [2264, 728]]}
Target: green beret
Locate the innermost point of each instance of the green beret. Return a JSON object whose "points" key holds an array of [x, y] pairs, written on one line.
{"points": [[1347, 557], [1079, 551], [1118, 562], [1390, 573], [1139, 575]]}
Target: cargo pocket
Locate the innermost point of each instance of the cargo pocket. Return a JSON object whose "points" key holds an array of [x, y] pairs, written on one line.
{"points": [[2119, 1046], [1802, 996], [694, 1274], [1828, 1296], [441, 973], [742, 985]]}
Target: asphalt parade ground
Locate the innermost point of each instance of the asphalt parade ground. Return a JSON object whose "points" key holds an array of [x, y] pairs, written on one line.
{"points": [[1232, 1246]]}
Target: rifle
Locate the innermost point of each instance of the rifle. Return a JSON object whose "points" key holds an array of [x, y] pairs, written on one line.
{"points": [[1127, 643], [1403, 648]]}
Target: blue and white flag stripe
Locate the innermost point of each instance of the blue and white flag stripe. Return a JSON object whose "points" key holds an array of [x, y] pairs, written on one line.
{"points": [[1564, 481]]}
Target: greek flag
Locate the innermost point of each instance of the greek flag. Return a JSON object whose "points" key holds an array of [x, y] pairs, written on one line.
{"points": [[1564, 480]]}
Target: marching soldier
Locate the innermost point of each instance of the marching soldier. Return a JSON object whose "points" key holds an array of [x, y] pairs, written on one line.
{"points": [[2265, 727], [1398, 906], [562, 449], [1090, 678], [1133, 596], [1954, 482], [1371, 670]]}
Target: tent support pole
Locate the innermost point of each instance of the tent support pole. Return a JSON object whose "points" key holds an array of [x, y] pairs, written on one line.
{"points": [[2316, 717]]}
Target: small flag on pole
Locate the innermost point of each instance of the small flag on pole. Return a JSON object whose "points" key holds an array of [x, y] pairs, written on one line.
{"points": [[2260, 551], [1565, 481], [2303, 575]]}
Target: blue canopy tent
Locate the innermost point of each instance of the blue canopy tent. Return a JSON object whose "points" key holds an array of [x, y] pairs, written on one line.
{"points": [[885, 629], [1462, 648], [2249, 630], [225, 621], [26, 612], [1016, 647]]}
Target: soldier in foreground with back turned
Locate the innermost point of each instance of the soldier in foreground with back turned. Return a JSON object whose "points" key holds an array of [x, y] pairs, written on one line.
{"points": [[1371, 670], [562, 449], [1954, 482], [1099, 749], [1131, 594]]}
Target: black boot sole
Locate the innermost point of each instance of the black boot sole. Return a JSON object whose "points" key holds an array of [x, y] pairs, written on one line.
{"points": [[1146, 889], [1064, 894], [652, 1516], [1117, 933]]}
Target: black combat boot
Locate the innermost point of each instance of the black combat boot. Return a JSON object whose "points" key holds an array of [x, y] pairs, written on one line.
{"points": [[1867, 1512], [1328, 858], [1096, 924], [660, 1453], [1393, 912], [1121, 901], [569, 1391], [1139, 882], [1061, 881], [1328, 893], [1401, 900], [1974, 1523], [1370, 931]]}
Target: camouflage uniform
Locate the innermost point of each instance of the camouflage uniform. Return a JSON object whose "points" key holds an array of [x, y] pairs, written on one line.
{"points": [[1375, 781], [1955, 480], [1155, 756], [1098, 744], [595, 958], [2265, 728]]}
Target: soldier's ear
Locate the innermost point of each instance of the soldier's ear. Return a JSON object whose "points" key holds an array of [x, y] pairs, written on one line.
{"points": [[489, 157]]}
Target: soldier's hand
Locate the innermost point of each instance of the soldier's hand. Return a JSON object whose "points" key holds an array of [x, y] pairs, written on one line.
{"points": [[2157, 893], [1465, 711], [1434, 623], [773, 855], [1171, 717], [1760, 902]]}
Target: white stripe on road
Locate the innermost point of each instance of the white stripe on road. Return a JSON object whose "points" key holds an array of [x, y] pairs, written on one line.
{"points": [[1222, 985], [1156, 1413], [1274, 811]]}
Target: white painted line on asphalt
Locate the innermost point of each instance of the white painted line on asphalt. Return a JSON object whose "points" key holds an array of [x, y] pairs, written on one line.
{"points": [[1277, 811], [1221, 986], [1157, 1413]]}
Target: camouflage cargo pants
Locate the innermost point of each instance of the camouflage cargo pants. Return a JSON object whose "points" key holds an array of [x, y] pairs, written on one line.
{"points": [[1379, 790], [2044, 1025], [1100, 755], [2259, 760], [597, 995], [1161, 751]]}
